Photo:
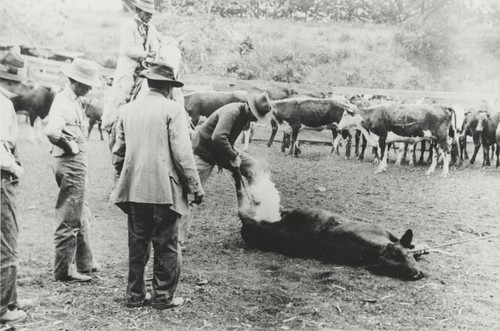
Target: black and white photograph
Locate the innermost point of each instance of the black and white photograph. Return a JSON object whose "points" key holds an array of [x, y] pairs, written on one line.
{"points": [[250, 165]]}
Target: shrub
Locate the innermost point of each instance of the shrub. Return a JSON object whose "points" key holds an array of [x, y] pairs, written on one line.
{"points": [[426, 44]]}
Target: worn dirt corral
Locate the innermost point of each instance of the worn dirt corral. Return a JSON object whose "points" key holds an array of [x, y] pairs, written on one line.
{"points": [[250, 289]]}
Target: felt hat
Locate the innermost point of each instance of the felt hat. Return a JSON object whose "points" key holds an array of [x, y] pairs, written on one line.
{"points": [[145, 5], [161, 72], [258, 101], [83, 71]]}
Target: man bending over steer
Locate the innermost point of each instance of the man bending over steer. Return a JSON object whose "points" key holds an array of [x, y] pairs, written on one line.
{"points": [[213, 142], [153, 158]]}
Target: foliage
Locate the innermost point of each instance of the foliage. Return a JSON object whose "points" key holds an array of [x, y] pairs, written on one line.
{"points": [[427, 43]]}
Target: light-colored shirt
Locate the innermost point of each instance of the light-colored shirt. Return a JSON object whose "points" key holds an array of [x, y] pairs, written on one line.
{"points": [[8, 133], [67, 113]]}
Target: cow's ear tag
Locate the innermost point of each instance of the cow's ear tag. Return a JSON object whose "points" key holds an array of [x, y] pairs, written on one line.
{"points": [[406, 238]]}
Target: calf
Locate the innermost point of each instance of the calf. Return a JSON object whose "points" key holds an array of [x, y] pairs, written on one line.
{"points": [[94, 110], [317, 233]]}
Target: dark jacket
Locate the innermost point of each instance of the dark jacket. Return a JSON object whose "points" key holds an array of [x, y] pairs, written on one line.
{"points": [[214, 139]]}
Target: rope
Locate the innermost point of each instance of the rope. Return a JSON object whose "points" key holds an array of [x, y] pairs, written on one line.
{"points": [[247, 193], [426, 250]]}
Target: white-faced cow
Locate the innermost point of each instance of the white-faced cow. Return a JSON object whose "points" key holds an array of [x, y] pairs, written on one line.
{"points": [[320, 234], [407, 123], [296, 114]]}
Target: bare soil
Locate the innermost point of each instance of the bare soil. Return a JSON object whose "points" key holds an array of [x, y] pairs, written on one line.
{"points": [[250, 289]]}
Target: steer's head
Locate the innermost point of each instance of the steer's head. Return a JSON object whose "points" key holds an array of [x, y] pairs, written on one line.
{"points": [[351, 118], [482, 120], [398, 258]]}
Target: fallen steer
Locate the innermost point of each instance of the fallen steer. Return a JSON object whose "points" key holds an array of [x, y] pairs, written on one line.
{"points": [[317, 233]]}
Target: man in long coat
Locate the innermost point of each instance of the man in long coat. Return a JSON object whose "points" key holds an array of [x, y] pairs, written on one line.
{"points": [[153, 158]]}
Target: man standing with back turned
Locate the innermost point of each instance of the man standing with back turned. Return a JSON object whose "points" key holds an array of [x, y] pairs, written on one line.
{"points": [[153, 158]]}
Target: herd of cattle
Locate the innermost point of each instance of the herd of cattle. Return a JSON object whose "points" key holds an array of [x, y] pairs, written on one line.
{"points": [[377, 122]]}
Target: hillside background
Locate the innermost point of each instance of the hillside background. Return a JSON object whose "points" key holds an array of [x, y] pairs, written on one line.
{"points": [[394, 44]]}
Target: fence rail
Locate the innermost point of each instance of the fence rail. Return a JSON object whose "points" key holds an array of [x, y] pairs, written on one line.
{"points": [[47, 72]]}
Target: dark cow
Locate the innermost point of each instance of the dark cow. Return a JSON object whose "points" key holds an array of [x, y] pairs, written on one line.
{"points": [[487, 123], [204, 103], [317, 233], [407, 123], [35, 100], [295, 114], [470, 127], [498, 135]]}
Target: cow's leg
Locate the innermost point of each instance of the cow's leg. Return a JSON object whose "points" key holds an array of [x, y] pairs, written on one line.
{"points": [[274, 129], [285, 142], [422, 151], [245, 137], [498, 154], [384, 150], [401, 152], [486, 155], [446, 159], [294, 144], [433, 164], [38, 129], [91, 125], [347, 136], [99, 127], [412, 154], [356, 142], [335, 141], [477, 145], [363, 147]]}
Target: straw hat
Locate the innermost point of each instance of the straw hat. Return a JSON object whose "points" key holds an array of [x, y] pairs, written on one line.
{"points": [[161, 72], [258, 101], [145, 5], [83, 71]]}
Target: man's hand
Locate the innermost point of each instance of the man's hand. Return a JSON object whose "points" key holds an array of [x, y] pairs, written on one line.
{"points": [[74, 147], [198, 197], [17, 170], [236, 163]]}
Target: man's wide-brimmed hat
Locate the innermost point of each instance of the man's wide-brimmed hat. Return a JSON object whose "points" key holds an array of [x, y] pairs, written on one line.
{"points": [[258, 101], [161, 72], [145, 5], [83, 71]]}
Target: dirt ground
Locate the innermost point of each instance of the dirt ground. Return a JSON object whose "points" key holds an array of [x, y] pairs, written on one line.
{"points": [[250, 289]]}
